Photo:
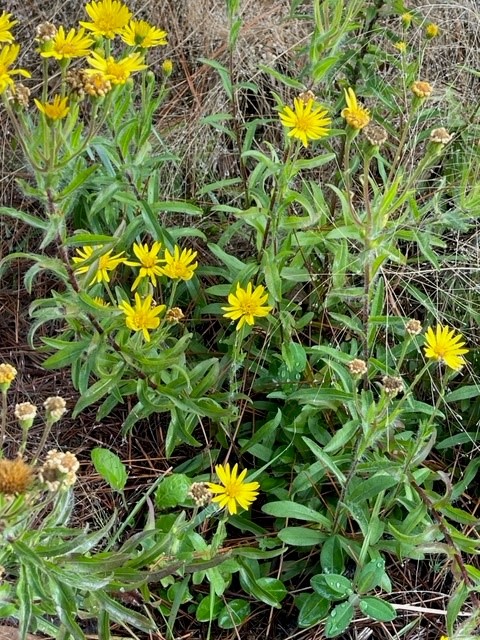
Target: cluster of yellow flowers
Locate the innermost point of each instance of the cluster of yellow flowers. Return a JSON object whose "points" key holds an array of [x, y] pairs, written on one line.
{"points": [[108, 19]]}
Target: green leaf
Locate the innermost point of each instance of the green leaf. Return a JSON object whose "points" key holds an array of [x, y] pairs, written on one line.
{"points": [[301, 536], [332, 556], [331, 586], [463, 393], [208, 608], [275, 589], [95, 392], [289, 82], [172, 491], [370, 576], [377, 609], [454, 606], [110, 467], [339, 619], [313, 609], [233, 614], [371, 487], [33, 221], [288, 509]]}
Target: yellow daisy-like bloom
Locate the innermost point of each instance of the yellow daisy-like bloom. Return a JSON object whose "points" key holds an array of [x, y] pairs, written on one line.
{"points": [[149, 263], [401, 46], [5, 27], [233, 489], [8, 55], [445, 346], [139, 33], [142, 316], [355, 115], [305, 121], [106, 263], [55, 110], [432, 30], [72, 45], [109, 17], [406, 19], [247, 304], [178, 266], [117, 71]]}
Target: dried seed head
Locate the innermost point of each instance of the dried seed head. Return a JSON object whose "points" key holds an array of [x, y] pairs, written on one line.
{"points": [[45, 32], [200, 493], [422, 89], [174, 315], [74, 79], [375, 134], [357, 367], [392, 385], [20, 95], [15, 476], [413, 327], [59, 470], [440, 135], [55, 407], [96, 85], [305, 96]]}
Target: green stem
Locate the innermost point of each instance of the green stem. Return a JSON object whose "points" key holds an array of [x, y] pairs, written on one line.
{"points": [[3, 424]]}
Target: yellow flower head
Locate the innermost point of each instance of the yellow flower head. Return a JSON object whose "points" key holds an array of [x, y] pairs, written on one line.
{"points": [[5, 27], [149, 263], [106, 263], [247, 304], [422, 89], [432, 30], [143, 316], [139, 33], [72, 45], [306, 121], [178, 266], [406, 19], [355, 115], [117, 71], [8, 55], [16, 476], [233, 489], [445, 346], [8, 374], [167, 67], [401, 46], [109, 17], [56, 110]]}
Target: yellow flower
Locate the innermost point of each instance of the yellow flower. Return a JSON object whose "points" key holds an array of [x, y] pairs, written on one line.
{"points": [[142, 316], [406, 19], [233, 489], [55, 110], [142, 34], [178, 265], [5, 26], [72, 45], [432, 30], [8, 55], [117, 71], [101, 302], [247, 304], [149, 263], [444, 638], [8, 374], [443, 345], [355, 115], [106, 263], [109, 17], [167, 67], [401, 46], [305, 121], [422, 89]]}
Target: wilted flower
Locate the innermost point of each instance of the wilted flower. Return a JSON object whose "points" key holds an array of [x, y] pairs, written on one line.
{"points": [[200, 493], [20, 94], [96, 85], [432, 30], [55, 407], [25, 413], [247, 304], [413, 327], [306, 120], [305, 96], [174, 315], [15, 476], [445, 346], [59, 470], [440, 136], [354, 113], [45, 32], [392, 385], [422, 89], [357, 367], [233, 489], [375, 134]]}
